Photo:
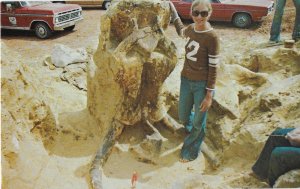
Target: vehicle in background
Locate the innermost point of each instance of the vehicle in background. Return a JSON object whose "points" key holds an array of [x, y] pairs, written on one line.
{"points": [[240, 12], [105, 4], [43, 17]]}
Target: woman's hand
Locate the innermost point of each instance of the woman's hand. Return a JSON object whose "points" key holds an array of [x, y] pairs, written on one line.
{"points": [[294, 139], [295, 131], [206, 103]]}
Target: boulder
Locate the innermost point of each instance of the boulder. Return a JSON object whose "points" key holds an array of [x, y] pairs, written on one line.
{"points": [[290, 179], [75, 74], [133, 59], [63, 55], [249, 105], [26, 120], [268, 102], [125, 79], [283, 60]]}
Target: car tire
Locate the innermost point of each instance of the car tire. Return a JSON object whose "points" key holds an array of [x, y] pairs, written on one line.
{"points": [[242, 20], [70, 28], [63, 2], [42, 30], [106, 4]]}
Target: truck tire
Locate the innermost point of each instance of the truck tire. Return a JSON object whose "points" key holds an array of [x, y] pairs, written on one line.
{"points": [[70, 28], [63, 2], [106, 5], [42, 30], [242, 20]]}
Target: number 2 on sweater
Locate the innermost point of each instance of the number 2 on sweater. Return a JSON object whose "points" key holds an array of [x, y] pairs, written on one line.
{"points": [[193, 44]]}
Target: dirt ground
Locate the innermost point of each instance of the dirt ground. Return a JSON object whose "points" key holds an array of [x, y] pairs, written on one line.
{"points": [[234, 41]]}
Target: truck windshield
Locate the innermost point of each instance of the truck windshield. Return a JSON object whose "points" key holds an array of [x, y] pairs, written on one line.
{"points": [[33, 3]]}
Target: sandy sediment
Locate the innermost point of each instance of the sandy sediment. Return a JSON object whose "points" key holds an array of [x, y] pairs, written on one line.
{"points": [[49, 138]]}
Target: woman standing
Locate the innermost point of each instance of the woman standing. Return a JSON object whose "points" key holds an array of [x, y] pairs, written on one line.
{"points": [[198, 76]]}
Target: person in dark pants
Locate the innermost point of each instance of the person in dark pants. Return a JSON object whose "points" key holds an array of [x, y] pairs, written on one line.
{"points": [[280, 154], [276, 24]]}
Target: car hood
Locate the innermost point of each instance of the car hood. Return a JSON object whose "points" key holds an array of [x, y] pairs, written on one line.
{"points": [[53, 7], [261, 3]]}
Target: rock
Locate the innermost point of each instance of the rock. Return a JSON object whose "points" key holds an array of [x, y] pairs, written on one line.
{"points": [[297, 44], [270, 114], [152, 144], [267, 103], [270, 61], [260, 58], [63, 55], [10, 141], [26, 121], [132, 139], [289, 44], [282, 97], [290, 179], [235, 84], [143, 155], [252, 136], [126, 76], [148, 150], [47, 62], [266, 113], [75, 74], [122, 147], [245, 93], [133, 59]]}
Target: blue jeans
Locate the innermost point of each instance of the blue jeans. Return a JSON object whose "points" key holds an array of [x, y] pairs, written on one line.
{"points": [[276, 24], [277, 157], [192, 94]]}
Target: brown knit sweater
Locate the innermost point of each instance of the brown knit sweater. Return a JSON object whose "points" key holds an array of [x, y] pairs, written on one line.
{"points": [[202, 54]]}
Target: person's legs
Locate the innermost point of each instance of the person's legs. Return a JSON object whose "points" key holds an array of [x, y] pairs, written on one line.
{"points": [[276, 24], [192, 142], [186, 101], [189, 126], [283, 159], [296, 32], [261, 166]]}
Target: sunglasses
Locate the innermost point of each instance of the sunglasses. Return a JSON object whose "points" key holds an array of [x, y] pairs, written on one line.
{"points": [[196, 13]]}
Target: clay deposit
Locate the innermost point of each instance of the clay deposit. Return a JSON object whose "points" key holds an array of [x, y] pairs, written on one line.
{"points": [[55, 119]]}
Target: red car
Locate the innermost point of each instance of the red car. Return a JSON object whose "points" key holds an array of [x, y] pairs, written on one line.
{"points": [[240, 12], [43, 17]]}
